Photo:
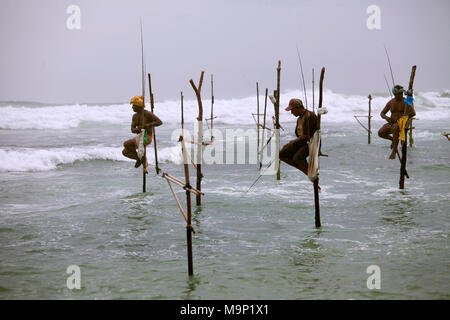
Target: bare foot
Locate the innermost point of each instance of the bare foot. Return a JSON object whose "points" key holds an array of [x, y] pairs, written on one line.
{"points": [[138, 163], [392, 156]]}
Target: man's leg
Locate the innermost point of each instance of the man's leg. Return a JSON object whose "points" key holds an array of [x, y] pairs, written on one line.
{"points": [[287, 154], [302, 166], [385, 131], [129, 151], [396, 133], [300, 158], [296, 156]]}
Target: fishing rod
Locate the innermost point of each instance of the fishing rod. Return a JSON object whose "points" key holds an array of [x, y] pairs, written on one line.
{"points": [[303, 78], [152, 103], [387, 85], [144, 156], [390, 67], [258, 178], [143, 63]]}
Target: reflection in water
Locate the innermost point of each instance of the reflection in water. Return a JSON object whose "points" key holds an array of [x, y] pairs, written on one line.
{"points": [[397, 210], [136, 206], [309, 253], [191, 285], [196, 217]]}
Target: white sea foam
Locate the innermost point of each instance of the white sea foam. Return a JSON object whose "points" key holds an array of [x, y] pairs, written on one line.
{"points": [[28, 159], [60, 117], [341, 108], [427, 135]]}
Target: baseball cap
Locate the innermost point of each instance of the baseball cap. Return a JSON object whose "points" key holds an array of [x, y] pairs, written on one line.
{"points": [[294, 103]]}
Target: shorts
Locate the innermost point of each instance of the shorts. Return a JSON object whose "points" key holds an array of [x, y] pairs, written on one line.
{"points": [[297, 151]]}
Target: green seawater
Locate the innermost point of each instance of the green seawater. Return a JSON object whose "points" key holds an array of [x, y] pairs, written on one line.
{"points": [[256, 245]]}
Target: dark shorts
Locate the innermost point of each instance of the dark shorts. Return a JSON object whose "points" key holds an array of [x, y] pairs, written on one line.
{"points": [[297, 151]]}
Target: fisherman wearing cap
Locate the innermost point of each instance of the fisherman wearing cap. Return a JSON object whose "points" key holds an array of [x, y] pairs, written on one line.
{"points": [[398, 108], [142, 119], [295, 152]]}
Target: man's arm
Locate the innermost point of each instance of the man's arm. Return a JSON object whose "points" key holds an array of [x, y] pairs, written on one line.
{"points": [[309, 122], [134, 125], [154, 121], [310, 125], [385, 110]]}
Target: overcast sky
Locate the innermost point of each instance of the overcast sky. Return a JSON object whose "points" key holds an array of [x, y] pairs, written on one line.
{"points": [[240, 42]]}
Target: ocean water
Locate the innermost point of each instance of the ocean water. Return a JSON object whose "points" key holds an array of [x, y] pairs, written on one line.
{"points": [[69, 197]]}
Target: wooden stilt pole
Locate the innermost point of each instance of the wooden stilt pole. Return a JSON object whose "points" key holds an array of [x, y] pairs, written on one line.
{"points": [[188, 196], [316, 182], [189, 215], [257, 121], [403, 163], [144, 182], [316, 203], [313, 87], [405, 143], [277, 116], [200, 135], [144, 158], [369, 118]]}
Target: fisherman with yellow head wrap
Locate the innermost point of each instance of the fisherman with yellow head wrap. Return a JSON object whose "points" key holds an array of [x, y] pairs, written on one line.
{"points": [[142, 122], [401, 110]]}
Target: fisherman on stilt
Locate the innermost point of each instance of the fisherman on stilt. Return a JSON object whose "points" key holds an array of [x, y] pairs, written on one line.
{"points": [[401, 111], [295, 152], [141, 124]]}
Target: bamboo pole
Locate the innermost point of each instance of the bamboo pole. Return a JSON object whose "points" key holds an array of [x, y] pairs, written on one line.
{"points": [[405, 143], [313, 87], [200, 134], [144, 158], [263, 128], [177, 201], [212, 107], [277, 118], [181, 184], [411, 139], [369, 118], [316, 182], [152, 104]]}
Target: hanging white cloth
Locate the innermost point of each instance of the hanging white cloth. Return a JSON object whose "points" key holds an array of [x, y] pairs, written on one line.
{"points": [[140, 144], [314, 147]]}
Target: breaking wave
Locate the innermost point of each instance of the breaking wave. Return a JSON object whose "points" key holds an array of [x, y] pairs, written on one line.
{"points": [[341, 108], [29, 159]]}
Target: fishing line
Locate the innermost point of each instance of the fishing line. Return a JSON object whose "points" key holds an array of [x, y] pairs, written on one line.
{"points": [[303, 78], [390, 67]]}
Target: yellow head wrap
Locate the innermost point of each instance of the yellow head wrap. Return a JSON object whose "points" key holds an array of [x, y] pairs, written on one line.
{"points": [[137, 101]]}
